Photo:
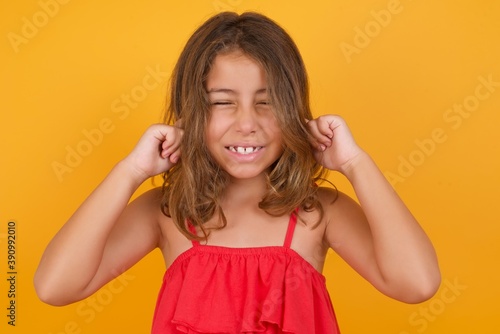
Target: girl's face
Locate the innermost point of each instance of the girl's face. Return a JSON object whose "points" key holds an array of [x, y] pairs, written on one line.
{"points": [[242, 135]]}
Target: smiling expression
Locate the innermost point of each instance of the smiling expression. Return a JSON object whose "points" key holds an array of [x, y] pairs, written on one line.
{"points": [[243, 135]]}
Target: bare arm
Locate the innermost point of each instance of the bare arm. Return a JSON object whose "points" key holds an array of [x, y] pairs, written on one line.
{"points": [[105, 236], [379, 238]]}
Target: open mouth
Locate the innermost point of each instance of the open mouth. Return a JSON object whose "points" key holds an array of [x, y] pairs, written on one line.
{"points": [[244, 150]]}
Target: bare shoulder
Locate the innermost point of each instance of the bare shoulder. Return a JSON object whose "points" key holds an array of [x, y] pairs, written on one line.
{"points": [[150, 198], [335, 202], [343, 216], [145, 213], [148, 205], [146, 209]]}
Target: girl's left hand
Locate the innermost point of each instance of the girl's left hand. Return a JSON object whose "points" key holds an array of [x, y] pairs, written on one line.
{"points": [[333, 144]]}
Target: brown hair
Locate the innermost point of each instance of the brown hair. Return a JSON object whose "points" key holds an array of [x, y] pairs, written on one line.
{"points": [[193, 187]]}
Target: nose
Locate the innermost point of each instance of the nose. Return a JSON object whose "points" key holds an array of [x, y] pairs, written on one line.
{"points": [[246, 119]]}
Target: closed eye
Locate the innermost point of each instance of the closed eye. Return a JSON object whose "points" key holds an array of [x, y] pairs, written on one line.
{"points": [[221, 103], [228, 103]]}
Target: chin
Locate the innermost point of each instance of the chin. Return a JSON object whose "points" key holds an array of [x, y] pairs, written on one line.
{"points": [[246, 175]]}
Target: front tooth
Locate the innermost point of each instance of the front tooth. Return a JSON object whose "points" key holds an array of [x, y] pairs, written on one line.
{"points": [[241, 150]]}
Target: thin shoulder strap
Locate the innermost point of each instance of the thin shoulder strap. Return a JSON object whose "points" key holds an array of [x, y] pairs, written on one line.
{"points": [[193, 230], [291, 228]]}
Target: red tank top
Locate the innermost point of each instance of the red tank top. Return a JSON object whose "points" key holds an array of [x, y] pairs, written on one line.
{"points": [[272, 289]]}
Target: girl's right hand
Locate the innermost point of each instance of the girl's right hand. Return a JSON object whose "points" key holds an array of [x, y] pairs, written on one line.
{"points": [[106, 236], [156, 152]]}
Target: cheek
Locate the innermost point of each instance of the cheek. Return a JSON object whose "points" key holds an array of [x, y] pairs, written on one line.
{"points": [[218, 124], [274, 128], [213, 129]]}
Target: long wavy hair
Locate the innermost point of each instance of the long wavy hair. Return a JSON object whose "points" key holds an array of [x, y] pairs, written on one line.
{"points": [[193, 187]]}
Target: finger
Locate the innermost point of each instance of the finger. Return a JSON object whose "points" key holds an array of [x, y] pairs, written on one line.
{"points": [[326, 126], [317, 140], [318, 134], [172, 142], [174, 157], [167, 147]]}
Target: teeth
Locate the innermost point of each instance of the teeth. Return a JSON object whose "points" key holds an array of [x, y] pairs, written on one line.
{"points": [[244, 150]]}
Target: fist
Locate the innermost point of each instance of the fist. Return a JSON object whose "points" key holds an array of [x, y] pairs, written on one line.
{"points": [[332, 142], [157, 150]]}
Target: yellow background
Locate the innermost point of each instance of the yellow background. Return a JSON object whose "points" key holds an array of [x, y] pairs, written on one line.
{"points": [[67, 68]]}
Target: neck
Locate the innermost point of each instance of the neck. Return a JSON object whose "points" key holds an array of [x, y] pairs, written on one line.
{"points": [[245, 192]]}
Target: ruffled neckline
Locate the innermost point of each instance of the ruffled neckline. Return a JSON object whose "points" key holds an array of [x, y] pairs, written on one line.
{"points": [[215, 249], [269, 289]]}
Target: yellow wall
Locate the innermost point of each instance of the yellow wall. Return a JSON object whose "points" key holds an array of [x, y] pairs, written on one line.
{"points": [[418, 82]]}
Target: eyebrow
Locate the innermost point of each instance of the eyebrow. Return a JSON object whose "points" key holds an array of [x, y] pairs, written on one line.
{"points": [[231, 91]]}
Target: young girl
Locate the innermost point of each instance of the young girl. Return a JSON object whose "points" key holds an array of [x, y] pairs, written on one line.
{"points": [[242, 224]]}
